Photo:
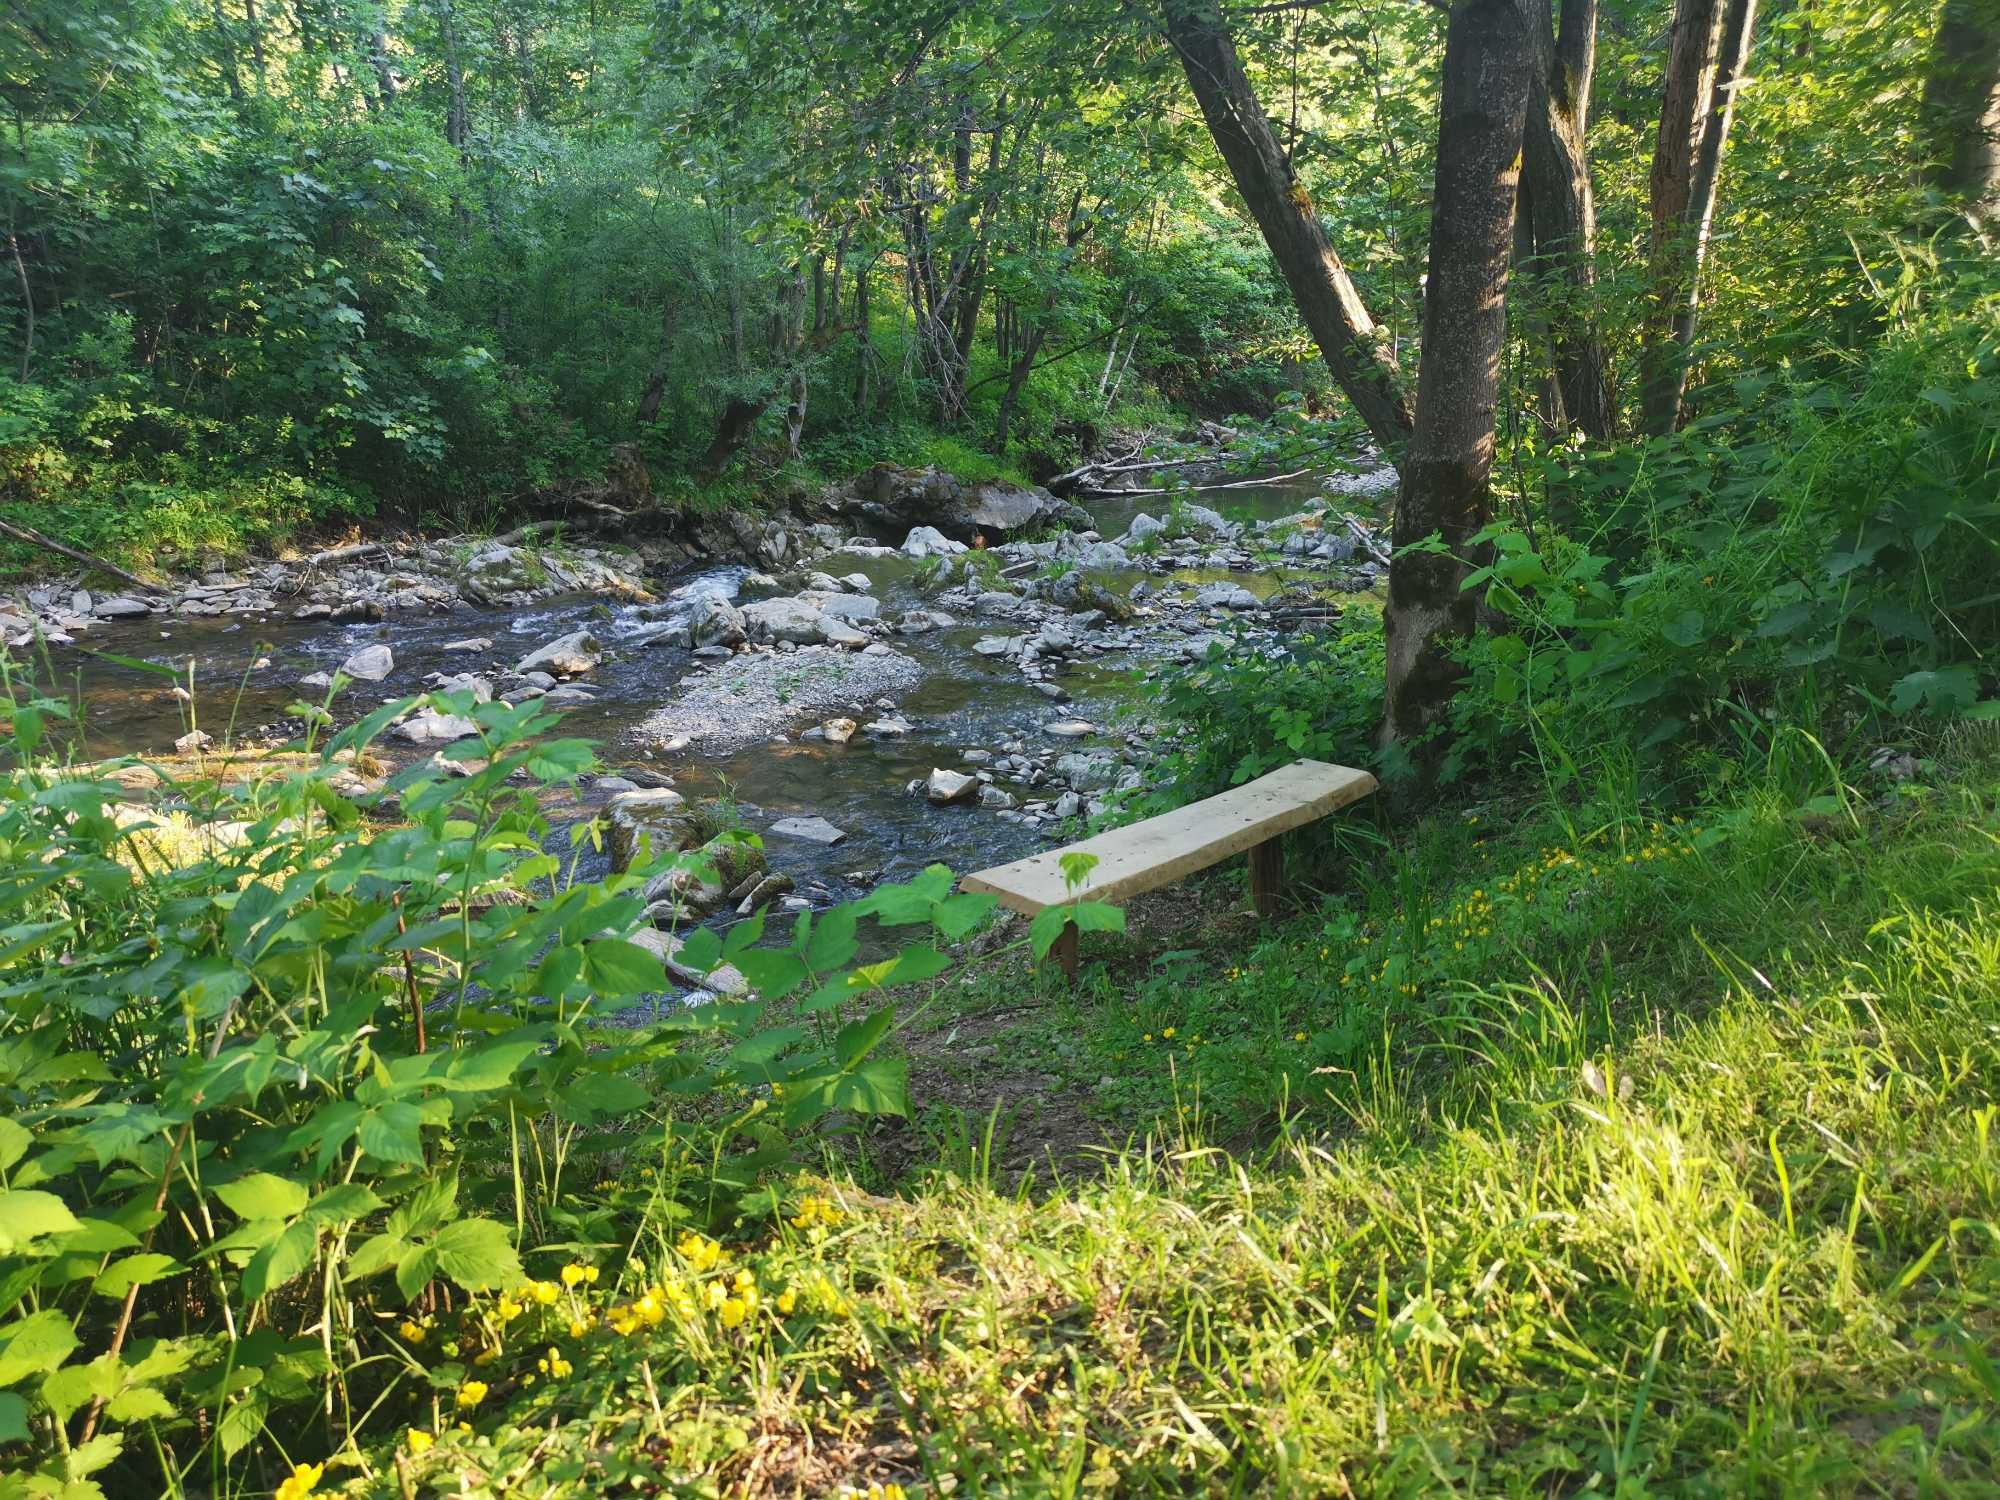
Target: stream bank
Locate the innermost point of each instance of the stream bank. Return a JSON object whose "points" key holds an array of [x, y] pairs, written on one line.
{"points": [[867, 701]]}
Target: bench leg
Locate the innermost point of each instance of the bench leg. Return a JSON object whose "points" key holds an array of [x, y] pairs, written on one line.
{"points": [[1267, 875], [1065, 950]]}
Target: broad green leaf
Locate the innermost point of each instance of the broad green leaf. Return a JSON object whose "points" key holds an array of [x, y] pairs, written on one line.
{"points": [[140, 1403], [27, 1214], [859, 1038], [263, 1195], [35, 1345], [134, 1270], [392, 1133], [281, 1260], [14, 1142], [619, 968], [478, 1255]]}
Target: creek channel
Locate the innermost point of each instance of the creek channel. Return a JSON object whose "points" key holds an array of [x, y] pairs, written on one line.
{"points": [[246, 673]]}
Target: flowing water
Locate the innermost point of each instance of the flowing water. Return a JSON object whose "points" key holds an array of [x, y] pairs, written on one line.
{"points": [[965, 701]]}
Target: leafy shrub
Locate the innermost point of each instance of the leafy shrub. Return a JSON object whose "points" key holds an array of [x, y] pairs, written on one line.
{"points": [[1238, 714], [274, 1107]]}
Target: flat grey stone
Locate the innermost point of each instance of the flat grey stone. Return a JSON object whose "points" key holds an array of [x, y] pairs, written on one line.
{"points": [[811, 830]]}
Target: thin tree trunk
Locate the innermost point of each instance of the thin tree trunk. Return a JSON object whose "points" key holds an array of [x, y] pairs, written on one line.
{"points": [[226, 50], [793, 311], [1961, 110], [1710, 46], [864, 355], [1562, 216], [384, 65], [27, 303], [1356, 354], [656, 380], [255, 28], [1488, 75]]}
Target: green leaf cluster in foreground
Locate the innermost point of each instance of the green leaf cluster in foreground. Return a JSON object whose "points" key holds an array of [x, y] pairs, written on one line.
{"points": [[271, 1086]]}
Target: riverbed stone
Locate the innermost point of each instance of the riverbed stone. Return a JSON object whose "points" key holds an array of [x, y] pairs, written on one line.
{"points": [[928, 541], [630, 815], [723, 979], [791, 620], [429, 727], [121, 607], [853, 609], [1087, 772], [838, 731], [814, 830], [944, 788], [470, 645], [716, 622], [570, 655], [1226, 596], [370, 664]]}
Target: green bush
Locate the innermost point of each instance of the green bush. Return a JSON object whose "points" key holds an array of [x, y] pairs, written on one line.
{"points": [[282, 1090]]}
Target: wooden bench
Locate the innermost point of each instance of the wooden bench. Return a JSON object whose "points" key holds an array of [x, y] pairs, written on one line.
{"points": [[1253, 817]]}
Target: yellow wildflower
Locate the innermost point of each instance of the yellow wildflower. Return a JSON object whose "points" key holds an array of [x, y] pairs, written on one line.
{"points": [[1298, 1036], [301, 1482], [545, 1292], [418, 1441], [509, 1309], [699, 1251], [413, 1332], [471, 1393], [787, 1300], [574, 1274], [578, 1327], [554, 1366], [732, 1312], [1168, 1034]]}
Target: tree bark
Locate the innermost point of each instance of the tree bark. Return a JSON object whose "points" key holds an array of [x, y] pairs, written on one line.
{"points": [[1357, 355], [1562, 216], [656, 379], [732, 431], [1489, 66], [255, 28], [1961, 111], [1710, 48], [226, 51], [35, 538], [792, 305], [864, 353]]}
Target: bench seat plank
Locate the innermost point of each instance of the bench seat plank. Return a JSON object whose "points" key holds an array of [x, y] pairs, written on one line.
{"points": [[1162, 850]]}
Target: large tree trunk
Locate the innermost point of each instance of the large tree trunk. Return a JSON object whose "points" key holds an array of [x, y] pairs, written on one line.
{"points": [[732, 431], [1488, 74], [1355, 352], [1710, 47], [1562, 216], [1962, 110]]}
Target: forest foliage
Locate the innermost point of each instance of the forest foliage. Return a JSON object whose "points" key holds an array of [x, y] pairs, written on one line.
{"points": [[317, 1168]]}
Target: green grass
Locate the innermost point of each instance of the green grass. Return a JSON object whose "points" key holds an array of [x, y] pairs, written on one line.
{"points": [[1678, 1180]]}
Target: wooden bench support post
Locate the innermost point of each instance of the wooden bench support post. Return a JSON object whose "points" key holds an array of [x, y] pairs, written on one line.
{"points": [[1065, 951], [1267, 875]]}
